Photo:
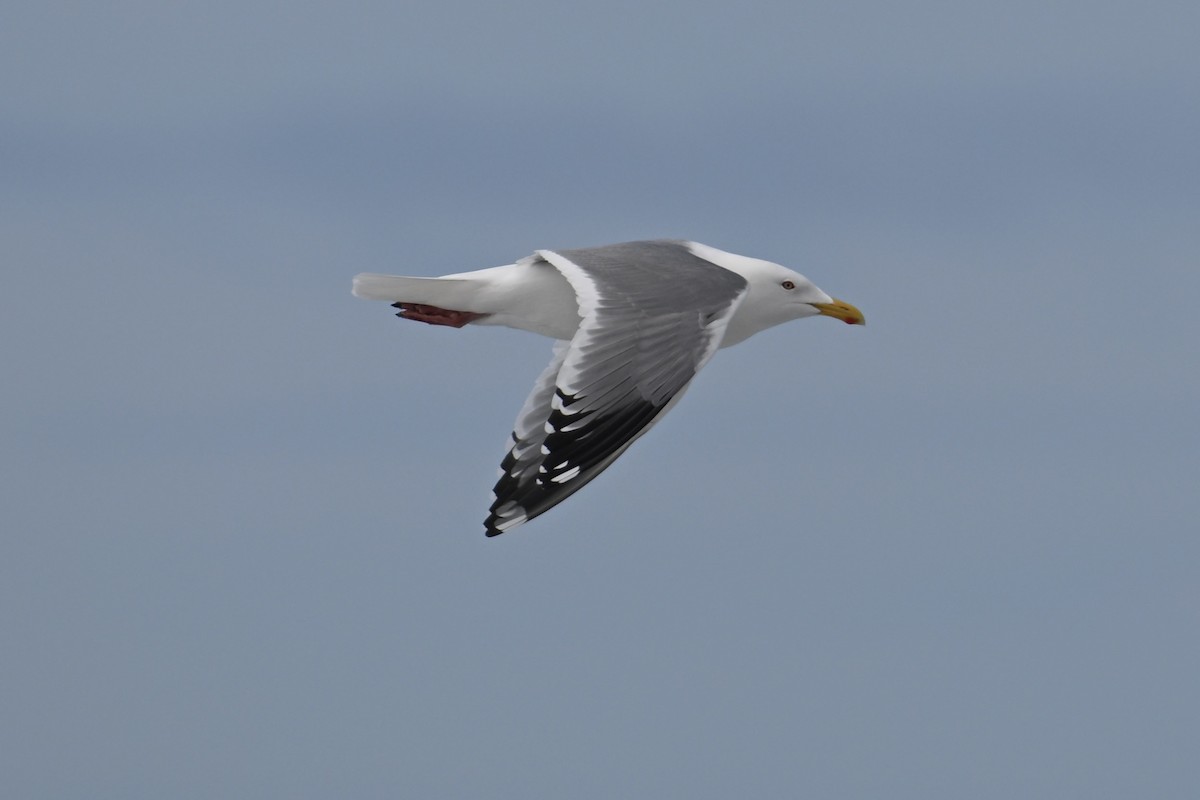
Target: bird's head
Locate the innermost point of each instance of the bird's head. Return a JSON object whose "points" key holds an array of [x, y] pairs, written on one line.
{"points": [[782, 294], [775, 295]]}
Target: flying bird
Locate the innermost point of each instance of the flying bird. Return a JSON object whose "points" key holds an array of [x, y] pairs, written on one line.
{"points": [[633, 324]]}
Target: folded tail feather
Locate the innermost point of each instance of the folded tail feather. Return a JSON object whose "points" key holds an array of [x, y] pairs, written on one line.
{"points": [[448, 293]]}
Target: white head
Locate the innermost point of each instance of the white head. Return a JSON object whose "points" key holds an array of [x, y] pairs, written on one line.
{"points": [[776, 295]]}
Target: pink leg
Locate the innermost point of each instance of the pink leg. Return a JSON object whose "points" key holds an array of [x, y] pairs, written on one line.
{"points": [[434, 315]]}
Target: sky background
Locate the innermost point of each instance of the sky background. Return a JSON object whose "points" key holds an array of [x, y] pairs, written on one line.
{"points": [[952, 554]]}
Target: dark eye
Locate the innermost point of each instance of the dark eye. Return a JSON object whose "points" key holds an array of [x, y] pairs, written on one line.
{"points": [[788, 285]]}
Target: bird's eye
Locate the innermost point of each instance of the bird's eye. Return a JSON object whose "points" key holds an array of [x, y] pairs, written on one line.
{"points": [[788, 285]]}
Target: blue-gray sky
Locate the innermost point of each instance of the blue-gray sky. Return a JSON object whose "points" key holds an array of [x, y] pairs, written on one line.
{"points": [[952, 554]]}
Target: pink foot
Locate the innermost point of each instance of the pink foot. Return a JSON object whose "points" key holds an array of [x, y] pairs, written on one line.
{"points": [[434, 315]]}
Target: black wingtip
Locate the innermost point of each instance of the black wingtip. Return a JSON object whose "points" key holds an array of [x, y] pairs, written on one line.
{"points": [[491, 526]]}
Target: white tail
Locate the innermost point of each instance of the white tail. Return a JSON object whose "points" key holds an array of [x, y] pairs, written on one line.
{"points": [[460, 295]]}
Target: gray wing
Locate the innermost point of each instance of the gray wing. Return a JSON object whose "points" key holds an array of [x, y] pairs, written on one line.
{"points": [[653, 313]]}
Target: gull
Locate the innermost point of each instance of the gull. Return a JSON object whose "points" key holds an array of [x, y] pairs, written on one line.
{"points": [[633, 323]]}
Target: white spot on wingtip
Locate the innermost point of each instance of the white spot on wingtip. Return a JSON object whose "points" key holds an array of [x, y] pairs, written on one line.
{"points": [[566, 476], [510, 515]]}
